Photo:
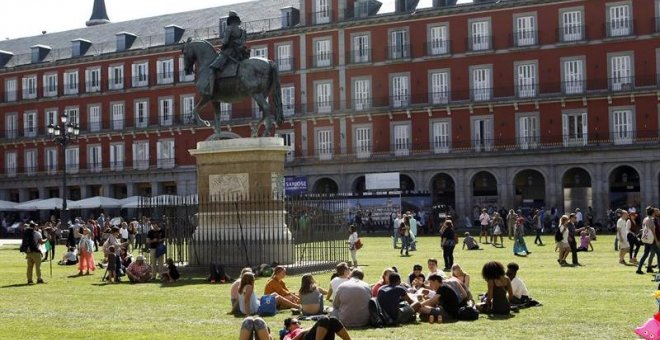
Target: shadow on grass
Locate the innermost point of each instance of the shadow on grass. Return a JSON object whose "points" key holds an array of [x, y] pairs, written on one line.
{"points": [[16, 285], [188, 282], [496, 317]]}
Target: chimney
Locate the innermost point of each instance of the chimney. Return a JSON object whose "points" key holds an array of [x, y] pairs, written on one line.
{"points": [[173, 34], [39, 53], [125, 41], [5, 57], [290, 16], [99, 14], [222, 27], [79, 47], [403, 6]]}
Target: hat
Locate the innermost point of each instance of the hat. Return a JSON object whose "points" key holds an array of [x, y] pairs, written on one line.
{"points": [[571, 215], [577, 209], [233, 17], [139, 258]]}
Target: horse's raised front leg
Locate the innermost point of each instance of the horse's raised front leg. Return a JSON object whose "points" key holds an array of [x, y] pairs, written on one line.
{"points": [[195, 114], [265, 116]]}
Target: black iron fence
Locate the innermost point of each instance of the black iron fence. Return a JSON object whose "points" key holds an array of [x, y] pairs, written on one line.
{"points": [[305, 233]]}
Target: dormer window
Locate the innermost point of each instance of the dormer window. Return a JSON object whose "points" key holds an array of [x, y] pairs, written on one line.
{"points": [[39, 53], [125, 41]]}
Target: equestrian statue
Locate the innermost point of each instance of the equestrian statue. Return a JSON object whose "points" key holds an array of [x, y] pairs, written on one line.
{"points": [[230, 76]]}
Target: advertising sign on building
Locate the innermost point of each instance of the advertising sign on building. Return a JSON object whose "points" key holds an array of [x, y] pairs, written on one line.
{"points": [[382, 181], [295, 185]]}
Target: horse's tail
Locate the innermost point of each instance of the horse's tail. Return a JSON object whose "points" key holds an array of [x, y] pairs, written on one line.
{"points": [[277, 93]]}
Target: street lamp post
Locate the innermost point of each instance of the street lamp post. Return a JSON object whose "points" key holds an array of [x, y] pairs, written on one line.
{"points": [[63, 132]]}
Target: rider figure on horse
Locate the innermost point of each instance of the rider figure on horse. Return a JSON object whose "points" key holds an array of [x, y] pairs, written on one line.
{"points": [[233, 48]]}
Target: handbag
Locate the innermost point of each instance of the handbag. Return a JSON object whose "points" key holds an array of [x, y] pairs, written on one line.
{"points": [[358, 244]]}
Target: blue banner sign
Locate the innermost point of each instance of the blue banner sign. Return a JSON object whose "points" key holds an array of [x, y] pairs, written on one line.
{"points": [[295, 185]]}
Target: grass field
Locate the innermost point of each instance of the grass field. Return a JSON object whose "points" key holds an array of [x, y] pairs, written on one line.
{"points": [[601, 300]]}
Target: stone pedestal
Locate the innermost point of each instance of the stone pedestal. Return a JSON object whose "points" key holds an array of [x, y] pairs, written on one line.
{"points": [[241, 212]]}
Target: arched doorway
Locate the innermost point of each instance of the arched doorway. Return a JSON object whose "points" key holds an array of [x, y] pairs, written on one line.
{"points": [[624, 187], [359, 186], [529, 186], [443, 190], [484, 192], [406, 183], [325, 186], [576, 185]]}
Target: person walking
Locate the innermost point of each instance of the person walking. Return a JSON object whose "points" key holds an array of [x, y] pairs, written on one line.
{"points": [[30, 246], [572, 243], [519, 246], [404, 232], [155, 240], [511, 219], [352, 239], [650, 239], [562, 244], [396, 224], [621, 235], [538, 226], [448, 242], [484, 221]]}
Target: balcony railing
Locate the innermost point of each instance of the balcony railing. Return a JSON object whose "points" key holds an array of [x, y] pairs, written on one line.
{"points": [[479, 43], [322, 60], [322, 17], [438, 47], [285, 64], [619, 28], [397, 51], [525, 38], [571, 33], [359, 56], [87, 168]]}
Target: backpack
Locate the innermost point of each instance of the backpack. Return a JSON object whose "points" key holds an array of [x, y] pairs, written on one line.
{"points": [[559, 236], [467, 313], [377, 316], [28, 244], [647, 234], [267, 306]]}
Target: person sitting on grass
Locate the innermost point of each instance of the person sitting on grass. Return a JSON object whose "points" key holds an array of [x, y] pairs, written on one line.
{"points": [[395, 301], [470, 242], [311, 296], [277, 285], [139, 271], [351, 302], [69, 258], [248, 303], [233, 291], [443, 305], [342, 274], [172, 273], [520, 293], [585, 242], [384, 281], [500, 293], [324, 328], [254, 328], [416, 279], [432, 265]]}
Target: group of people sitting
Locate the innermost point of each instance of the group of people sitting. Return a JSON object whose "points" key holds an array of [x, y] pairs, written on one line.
{"points": [[437, 297]]}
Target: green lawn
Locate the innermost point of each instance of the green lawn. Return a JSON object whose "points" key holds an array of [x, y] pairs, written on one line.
{"points": [[602, 299]]}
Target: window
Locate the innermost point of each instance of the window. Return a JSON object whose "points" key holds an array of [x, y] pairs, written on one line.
{"points": [[400, 91], [525, 32], [399, 45], [571, 27], [528, 131], [73, 114], [481, 83], [362, 138], [439, 87], [141, 114], [51, 161], [438, 40], [622, 126], [94, 118], [93, 79], [225, 111], [141, 155], [10, 164], [288, 101], [30, 124], [10, 90], [51, 117], [440, 134], [165, 112], [141, 74], [50, 85], [324, 144], [116, 77], [619, 22], [71, 159], [165, 151], [361, 94], [94, 160], [323, 97], [71, 82], [322, 11], [479, 39], [401, 139], [117, 116], [11, 125], [259, 52], [30, 87], [526, 83], [289, 138], [187, 107], [621, 73], [165, 71], [31, 162], [117, 157], [574, 128], [322, 53], [284, 59], [183, 76], [361, 49], [573, 76], [482, 133]]}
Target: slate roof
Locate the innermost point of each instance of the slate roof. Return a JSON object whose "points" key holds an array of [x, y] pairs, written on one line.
{"points": [[256, 15]]}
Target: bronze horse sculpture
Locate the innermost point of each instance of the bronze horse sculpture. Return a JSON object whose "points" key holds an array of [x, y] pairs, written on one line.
{"points": [[256, 77]]}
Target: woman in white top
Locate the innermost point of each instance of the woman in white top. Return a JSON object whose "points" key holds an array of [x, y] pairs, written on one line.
{"points": [[351, 244], [563, 246], [622, 228]]}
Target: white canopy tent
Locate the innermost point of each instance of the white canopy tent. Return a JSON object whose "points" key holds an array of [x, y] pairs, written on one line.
{"points": [[95, 202], [131, 202], [7, 205], [27, 205], [45, 204]]}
